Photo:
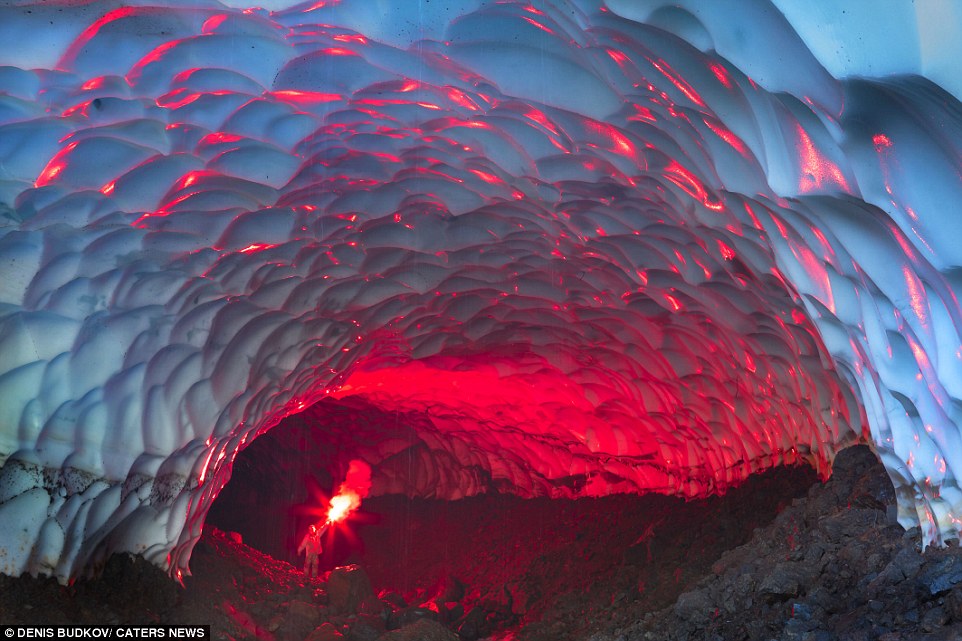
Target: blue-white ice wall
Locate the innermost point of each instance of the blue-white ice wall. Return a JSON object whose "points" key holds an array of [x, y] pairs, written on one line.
{"points": [[730, 228]]}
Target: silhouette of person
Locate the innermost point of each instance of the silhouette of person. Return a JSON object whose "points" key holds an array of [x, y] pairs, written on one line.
{"points": [[311, 547]]}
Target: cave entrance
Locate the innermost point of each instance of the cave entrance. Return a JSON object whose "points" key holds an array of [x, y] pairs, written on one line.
{"points": [[546, 564]]}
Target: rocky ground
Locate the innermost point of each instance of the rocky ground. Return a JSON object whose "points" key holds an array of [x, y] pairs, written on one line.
{"points": [[830, 566], [781, 557]]}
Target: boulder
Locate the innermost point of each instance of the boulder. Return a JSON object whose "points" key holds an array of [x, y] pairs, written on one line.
{"points": [[785, 580], [349, 591], [941, 576], [695, 607]]}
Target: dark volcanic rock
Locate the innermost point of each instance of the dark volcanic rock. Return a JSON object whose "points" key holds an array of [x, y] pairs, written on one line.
{"points": [[349, 590], [830, 566], [695, 607], [785, 580], [941, 576]]}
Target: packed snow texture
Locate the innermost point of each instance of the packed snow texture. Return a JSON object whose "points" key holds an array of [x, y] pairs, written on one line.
{"points": [[579, 252]]}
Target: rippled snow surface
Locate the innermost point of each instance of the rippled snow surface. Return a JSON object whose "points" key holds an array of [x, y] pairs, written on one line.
{"points": [[580, 252]]}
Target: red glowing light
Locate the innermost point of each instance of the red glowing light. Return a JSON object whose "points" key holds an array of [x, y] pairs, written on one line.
{"points": [[341, 506], [356, 485]]}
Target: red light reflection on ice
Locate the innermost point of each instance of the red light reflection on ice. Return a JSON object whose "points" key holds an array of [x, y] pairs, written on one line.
{"points": [[539, 25], [67, 60], [93, 83], [917, 298], [211, 24], [151, 57], [727, 252], [690, 184], [182, 97], [487, 177], [56, 165], [725, 134], [678, 81], [721, 73], [818, 172], [338, 51], [351, 37], [304, 98], [256, 247]]}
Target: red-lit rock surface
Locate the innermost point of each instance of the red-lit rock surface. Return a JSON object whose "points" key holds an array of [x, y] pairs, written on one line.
{"points": [[830, 566]]}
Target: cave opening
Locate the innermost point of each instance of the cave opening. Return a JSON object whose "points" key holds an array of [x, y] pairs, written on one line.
{"points": [[491, 561]]}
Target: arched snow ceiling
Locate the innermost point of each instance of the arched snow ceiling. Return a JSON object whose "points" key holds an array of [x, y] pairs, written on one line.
{"points": [[580, 252]]}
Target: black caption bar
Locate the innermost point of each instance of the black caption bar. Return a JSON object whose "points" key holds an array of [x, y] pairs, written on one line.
{"points": [[198, 632]]}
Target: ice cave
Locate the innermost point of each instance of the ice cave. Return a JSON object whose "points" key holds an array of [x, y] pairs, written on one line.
{"points": [[579, 248]]}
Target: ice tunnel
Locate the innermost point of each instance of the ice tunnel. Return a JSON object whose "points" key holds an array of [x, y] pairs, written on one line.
{"points": [[578, 248]]}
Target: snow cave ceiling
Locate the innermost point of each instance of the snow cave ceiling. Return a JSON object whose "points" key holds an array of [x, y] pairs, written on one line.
{"points": [[579, 248]]}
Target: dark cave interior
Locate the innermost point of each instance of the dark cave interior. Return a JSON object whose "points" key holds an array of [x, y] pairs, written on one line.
{"points": [[540, 558]]}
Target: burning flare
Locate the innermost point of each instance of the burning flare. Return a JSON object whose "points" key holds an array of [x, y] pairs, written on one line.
{"points": [[355, 487]]}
